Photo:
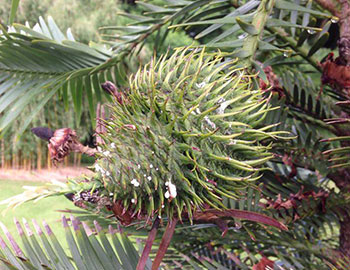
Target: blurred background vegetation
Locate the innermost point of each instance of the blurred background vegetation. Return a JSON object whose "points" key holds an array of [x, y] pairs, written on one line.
{"points": [[84, 18]]}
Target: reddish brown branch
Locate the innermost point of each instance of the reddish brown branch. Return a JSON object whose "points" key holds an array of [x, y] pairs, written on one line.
{"points": [[164, 244], [210, 215], [147, 249]]}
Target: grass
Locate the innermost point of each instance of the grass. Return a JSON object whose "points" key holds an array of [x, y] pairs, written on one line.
{"points": [[44, 209]]}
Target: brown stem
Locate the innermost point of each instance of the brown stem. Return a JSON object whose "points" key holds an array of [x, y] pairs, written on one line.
{"points": [[64, 141], [84, 149], [210, 215], [164, 244], [147, 249], [344, 29]]}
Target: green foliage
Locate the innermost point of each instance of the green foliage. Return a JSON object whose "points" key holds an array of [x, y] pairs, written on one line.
{"points": [[44, 68], [185, 135], [83, 17], [45, 208], [226, 26], [112, 250]]}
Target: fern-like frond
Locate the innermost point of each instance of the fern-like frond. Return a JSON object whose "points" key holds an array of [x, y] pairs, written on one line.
{"points": [[43, 60], [88, 248]]}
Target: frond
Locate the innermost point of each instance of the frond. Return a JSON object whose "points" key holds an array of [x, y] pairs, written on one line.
{"points": [[281, 31], [88, 248], [43, 60]]}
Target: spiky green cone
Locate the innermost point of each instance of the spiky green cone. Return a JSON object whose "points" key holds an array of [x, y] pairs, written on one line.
{"points": [[186, 136]]}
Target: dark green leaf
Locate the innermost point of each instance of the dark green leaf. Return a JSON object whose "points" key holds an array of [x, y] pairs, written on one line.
{"points": [[319, 44], [247, 27]]}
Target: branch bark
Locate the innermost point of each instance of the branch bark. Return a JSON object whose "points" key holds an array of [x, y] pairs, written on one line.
{"points": [[344, 28], [147, 249], [164, 244]]}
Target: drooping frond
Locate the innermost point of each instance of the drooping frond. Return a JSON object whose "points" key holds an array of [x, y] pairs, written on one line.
{"points": [[42, 61]]}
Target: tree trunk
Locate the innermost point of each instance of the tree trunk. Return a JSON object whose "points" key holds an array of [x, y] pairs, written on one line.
{"points": [[39, 156], [79, 159], [30, 162], [2, 154], [13, 159], [48, 161], [344, 29]]}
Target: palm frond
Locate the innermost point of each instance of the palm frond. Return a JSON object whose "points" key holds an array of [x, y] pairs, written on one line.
{"points": [[88, 248], [288, 26], [43, 60]]}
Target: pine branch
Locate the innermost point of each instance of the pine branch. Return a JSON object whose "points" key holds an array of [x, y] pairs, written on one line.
{"points": [[293, 44]]}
